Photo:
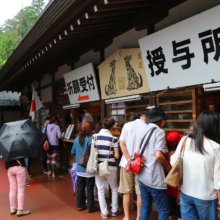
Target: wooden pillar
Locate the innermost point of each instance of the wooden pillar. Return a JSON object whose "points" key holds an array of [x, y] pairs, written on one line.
{"points": [[152, 101], [103, 105], [73, 66], [38, 112], [150, 29], [53, 95], [39, 88]]}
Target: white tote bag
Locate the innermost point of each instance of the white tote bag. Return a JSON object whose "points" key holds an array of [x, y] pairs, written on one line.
{"points": [[103, 167]]}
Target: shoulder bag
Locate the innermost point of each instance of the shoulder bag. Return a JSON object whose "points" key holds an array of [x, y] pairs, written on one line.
{"points": [[85, 157], [103, 167], [92, 165], [135, 162], [175, 176], [28, 179]]}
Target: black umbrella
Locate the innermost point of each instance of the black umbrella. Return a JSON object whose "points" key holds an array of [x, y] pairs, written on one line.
{"points": [[19, 139]]}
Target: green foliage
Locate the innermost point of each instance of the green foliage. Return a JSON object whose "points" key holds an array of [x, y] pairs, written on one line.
{"points": [[13, 30]]}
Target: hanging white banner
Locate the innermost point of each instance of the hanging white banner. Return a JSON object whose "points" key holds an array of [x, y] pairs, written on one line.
{"points": [[185, 54]]}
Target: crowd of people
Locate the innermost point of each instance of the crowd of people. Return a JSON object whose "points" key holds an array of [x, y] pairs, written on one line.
{"points": [[200, 188], [201, 165]]}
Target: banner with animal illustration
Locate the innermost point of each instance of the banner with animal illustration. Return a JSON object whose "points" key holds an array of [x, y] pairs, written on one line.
{"points": [[123, 74]]}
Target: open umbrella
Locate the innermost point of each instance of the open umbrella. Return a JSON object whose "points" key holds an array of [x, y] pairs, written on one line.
{"points": [[74, 177], [19, 139]]}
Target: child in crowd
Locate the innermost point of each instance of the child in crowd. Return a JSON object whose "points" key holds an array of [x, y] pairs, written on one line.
{"points": [[173, 138]]}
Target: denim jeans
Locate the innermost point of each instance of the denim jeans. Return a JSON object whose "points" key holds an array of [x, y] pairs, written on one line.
{"points": [[148, 195], [192, 208]]}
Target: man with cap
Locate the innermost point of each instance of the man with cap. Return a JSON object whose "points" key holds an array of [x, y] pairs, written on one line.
{"points": [[151, 176]]}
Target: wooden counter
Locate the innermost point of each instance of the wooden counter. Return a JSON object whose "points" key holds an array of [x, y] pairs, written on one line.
{"points": [[69, 140]]}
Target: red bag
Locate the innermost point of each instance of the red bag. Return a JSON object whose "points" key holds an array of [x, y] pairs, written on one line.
{"points": [[136, 162], [46, 145]]}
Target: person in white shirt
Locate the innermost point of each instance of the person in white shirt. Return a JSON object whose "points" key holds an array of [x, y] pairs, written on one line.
{"points": [[85, 116], [201, 169], [131, 135]]}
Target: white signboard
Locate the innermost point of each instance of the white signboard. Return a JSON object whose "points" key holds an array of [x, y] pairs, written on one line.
{"points": [[187, 53], [9, 98], [81, 85]]}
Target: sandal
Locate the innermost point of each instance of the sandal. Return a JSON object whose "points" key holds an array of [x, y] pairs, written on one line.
{"points": [[49, 173]]}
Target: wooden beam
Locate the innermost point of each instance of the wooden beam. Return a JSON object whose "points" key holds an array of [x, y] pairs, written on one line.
{"points": [[94, 15], [104, 20], [122, 1], [127, 6]]}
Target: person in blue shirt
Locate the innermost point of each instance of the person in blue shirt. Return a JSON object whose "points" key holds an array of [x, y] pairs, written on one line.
{"points": [[81, 143]]}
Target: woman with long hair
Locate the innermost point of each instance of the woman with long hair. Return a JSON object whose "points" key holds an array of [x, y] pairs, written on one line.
{"points": [[81, 143], [201, 169], [107, 144]]}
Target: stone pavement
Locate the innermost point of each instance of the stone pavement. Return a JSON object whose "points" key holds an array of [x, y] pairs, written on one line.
{"points": [[49, 198]]}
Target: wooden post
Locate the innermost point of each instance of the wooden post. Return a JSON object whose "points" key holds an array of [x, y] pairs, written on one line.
{"points": [[152, 101], [194, 105], [150, 29], [39, 93], [73, 119], [73, 66], [53, 95], [103, 105]]}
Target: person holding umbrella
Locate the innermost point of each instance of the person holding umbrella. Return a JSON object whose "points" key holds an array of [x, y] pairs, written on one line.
{"points": [[17, 179], [18, 140]]}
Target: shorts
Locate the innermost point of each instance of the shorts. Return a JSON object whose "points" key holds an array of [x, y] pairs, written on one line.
{"points": [[128, 182], [174, 208]]}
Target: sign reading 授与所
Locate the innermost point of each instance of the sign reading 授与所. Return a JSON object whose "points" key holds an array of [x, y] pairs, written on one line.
{"points": [[123, 74], [81, 85], [185, 54]]}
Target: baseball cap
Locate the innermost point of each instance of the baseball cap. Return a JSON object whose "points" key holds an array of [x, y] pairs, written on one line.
{"points": [[156, 114], [173, 138]]}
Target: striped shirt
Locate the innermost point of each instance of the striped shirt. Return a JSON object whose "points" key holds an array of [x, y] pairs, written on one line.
{"points": [[105, 141]]}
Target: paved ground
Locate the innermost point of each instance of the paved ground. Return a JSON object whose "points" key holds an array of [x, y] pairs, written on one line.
{"points": [[49, 198]]}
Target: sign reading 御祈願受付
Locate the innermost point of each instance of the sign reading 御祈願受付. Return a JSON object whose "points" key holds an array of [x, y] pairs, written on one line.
{"points": [[81, 85], [187, 53]]}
